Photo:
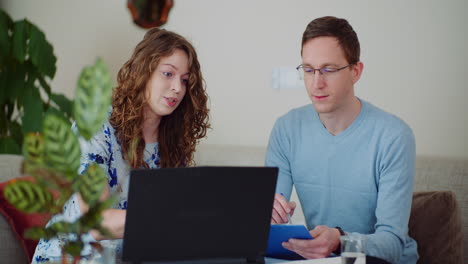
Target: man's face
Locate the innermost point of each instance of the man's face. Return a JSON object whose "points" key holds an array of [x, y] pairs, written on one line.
{"points": [[332, 92]]}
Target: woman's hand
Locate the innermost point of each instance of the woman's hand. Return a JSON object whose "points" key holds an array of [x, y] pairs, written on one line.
{"points": [[112, 219]]}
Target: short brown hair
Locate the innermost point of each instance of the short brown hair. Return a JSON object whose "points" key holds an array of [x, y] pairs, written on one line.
{"points": [[338, 28], [180, 131]]}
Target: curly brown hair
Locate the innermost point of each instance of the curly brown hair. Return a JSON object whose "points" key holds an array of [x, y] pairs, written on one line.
{"points": [[178, 132]]}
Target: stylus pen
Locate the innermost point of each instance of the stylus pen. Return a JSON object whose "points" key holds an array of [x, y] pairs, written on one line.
{"points": [[289, 219], [288, 215]]}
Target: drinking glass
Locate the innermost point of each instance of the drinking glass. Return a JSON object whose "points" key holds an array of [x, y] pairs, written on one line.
{"points": [[353, 249], [106, 256]]}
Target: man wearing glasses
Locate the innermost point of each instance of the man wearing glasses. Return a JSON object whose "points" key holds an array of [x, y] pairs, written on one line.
{"points": [[352, 164]]}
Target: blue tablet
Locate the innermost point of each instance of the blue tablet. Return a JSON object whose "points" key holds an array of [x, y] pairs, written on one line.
{"points": [[282, 233]]}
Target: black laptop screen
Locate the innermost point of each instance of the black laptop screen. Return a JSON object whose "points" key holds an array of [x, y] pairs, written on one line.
{"points": [[198, 213]]}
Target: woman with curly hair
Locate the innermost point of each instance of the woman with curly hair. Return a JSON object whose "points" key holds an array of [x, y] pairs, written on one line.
{"points": [[159, 113]]}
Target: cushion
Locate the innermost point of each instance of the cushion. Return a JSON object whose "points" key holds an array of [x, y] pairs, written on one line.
{"points": [[435, 224], [20, 221]]}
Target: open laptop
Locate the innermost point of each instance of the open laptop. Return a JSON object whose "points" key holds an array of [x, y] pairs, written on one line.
{"points": [[199, 215]]}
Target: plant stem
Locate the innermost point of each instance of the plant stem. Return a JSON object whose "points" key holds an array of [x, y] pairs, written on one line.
{"points": [[64, 257]]}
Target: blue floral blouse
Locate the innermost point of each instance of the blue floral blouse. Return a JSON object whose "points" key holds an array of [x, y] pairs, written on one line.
{"points": [[105, 150]]}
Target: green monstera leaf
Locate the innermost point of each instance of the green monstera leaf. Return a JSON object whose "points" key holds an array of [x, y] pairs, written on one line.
{"points": [[20, 35], [9, 145], [92, 98], [5, 42], [27, 65], [28, 197], [62, 149], [91, 184], [41, 52]]}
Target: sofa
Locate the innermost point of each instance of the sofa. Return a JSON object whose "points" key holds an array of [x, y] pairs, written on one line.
{"points": [[438, 222]]}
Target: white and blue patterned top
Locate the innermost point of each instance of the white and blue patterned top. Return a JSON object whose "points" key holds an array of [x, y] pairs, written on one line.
{"points": [[105, 150]]}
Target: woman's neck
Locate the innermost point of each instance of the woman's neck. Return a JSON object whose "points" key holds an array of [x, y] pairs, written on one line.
{"points": [[151, 128]]}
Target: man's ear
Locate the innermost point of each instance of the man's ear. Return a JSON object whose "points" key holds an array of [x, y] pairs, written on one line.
{"points": [[357, 71]]}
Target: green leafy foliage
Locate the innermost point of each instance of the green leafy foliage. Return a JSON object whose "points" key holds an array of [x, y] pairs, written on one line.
{"points": [[35, 120], [27, 64], [62, 149], [33, 110], [20, 29], [28, 196], [63, 103], [93, 217], [16, 131], [74, 247], [33, 151], [9, 145], [37, 233], [91, 104], [91, 184], [38, 46], [5, 25], [53, 158], [63, 227]]}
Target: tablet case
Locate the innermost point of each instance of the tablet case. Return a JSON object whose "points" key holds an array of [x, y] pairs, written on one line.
{"points": [[282, 233]]}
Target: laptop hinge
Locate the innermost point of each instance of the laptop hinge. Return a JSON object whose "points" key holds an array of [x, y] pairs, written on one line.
{"points": [[258, 260]]}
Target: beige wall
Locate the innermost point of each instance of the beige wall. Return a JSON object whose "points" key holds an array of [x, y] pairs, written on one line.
{"points": [[414, 54]]}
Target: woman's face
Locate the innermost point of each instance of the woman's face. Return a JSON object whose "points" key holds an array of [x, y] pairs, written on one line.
{"points": [[167, 85]]}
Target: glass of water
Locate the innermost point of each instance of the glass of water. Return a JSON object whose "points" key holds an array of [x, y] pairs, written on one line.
{"points": [[107, 255], [353, 249]]}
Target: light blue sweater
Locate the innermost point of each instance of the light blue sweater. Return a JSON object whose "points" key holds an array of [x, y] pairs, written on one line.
{"points": [[360, 179]]}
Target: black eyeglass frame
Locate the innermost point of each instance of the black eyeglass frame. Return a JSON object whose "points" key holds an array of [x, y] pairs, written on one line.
{"points": [[322, 71]]}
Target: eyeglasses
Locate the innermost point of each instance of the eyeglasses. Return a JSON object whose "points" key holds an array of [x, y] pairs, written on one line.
{"points": [[325, 72]]}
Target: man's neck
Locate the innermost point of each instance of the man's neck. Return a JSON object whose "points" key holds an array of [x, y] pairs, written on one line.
{"points": [[337, 121]]}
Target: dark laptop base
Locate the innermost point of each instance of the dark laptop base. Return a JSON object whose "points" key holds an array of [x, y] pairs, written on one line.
{"points": [[209, 261]]}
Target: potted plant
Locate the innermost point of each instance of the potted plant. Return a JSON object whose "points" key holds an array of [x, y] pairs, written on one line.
{"points": [[53, 157], [27, 64]]}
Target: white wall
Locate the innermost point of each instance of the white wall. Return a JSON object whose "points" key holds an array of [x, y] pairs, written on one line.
{"points": [[414, 54]]}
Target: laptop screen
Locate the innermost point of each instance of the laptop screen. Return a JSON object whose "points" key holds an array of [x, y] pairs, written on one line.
{"points": [[199, 213]]}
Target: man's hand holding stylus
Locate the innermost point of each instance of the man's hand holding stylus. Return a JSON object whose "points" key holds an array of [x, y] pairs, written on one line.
{"points": [[281, 210]]}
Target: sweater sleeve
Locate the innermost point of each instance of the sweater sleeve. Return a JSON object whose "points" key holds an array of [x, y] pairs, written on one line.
{"points": [[395, 189], [277, 155]]}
